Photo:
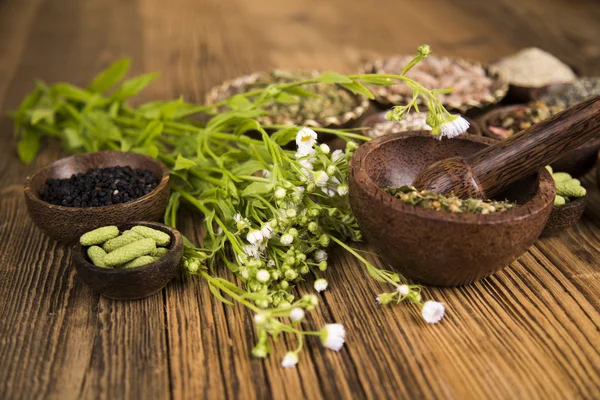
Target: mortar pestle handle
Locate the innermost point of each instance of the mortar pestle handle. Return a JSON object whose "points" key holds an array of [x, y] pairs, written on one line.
{"points": [[489, 171]]}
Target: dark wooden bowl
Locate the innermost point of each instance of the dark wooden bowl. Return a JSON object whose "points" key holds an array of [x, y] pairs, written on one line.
{"points": [[131, 283], [563, 217], [432, 247], [576, 163], [67, 224], [374, 119]]}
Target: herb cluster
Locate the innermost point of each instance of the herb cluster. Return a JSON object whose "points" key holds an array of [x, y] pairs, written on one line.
{"points": [[270, 213]]}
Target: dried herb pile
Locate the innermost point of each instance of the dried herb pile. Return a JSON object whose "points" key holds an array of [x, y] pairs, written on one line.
{"points": [[451, 204]]}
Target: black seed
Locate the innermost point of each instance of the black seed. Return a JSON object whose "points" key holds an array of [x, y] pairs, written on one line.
{"points": [[97, 187]]}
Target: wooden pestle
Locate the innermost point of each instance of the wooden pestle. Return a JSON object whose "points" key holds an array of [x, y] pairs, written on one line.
{"points": [[489, 171]]}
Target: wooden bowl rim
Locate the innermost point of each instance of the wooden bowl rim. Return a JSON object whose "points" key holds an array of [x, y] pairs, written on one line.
{"points": [[542, 199], [575, 203], [80, 257], [164, 182]]}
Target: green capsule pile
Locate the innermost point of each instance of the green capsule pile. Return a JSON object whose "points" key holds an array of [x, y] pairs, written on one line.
{"points": [[135, 247], [567, 187]]}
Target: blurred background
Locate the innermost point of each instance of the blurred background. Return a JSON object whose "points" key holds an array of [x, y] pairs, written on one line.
{"points": [[195, 44]]}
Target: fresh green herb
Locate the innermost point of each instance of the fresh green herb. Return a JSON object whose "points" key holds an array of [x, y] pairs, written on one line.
{"points": [[452, 204], [269, 213]]}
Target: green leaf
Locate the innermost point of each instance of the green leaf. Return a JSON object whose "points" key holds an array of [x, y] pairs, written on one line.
{"points": [[183, 163], [113, 111], [245, 126], [238, 102], [152, 130], [110, 76], [73, 138], [151, 150], [442, 91], [286, 98], [42, 114], [133, 86], [284, 136], [333, 77], [257, 188], [375, 80], [70, 92], [28, 146], [248, 168], [298, 91], [357, 88]]}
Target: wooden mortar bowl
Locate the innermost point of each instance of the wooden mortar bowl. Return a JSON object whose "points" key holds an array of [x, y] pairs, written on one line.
{"points": [[576, 163], [67, 224], [432, 247], [131, 283], [563, 217]]}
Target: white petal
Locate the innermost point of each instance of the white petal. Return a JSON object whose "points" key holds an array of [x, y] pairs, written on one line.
{"points": [[433, 311]]}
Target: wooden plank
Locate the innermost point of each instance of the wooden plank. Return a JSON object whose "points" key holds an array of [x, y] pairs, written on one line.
{"points": [[530, 331]]}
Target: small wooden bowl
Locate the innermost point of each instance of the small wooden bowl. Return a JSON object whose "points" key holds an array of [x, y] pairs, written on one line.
{"points": [[132, 283], [379, 117], [67, 224], [576, 163], [432, 247], [564, 217]]}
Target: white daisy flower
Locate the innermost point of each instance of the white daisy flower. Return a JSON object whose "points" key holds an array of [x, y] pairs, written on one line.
{"points": [[333, 336], [240, 222], [329, 191], [432, 311], [306, 137], [266, 173], [296, 314], [342, 190], [454, 126], [255, 236], [251, 250], [336, 155], [320, 285], [263, 276], [306, 152], [287, 239], [321, 178], [320, 255], [290, 360], [266, 231], [403, 290]]}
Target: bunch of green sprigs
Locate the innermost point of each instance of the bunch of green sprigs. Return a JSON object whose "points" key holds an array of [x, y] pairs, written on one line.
{"points": [[135, 247], [438, 202]]}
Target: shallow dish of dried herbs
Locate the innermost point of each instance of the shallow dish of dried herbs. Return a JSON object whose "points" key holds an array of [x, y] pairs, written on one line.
{"points": [[473, 86], [323, 105], [504, 122], [270, 213], [451, 204]]}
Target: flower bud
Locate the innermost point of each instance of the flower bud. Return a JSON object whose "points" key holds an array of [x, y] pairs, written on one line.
{"points": [[262, 303], [304, 269], [293, 232], [290, 260], [303, 220], [351, 146], [287, 184], [290, 274], [263, 276], [259, 351], [323, 265], [311, 187], [279, 193], [313, 227], [301, 257], [260, 319], [324, 148], [290, 213], [297, 314], [332, 212], [331, 170], [284, 285], [275, 275], [289, 297], [285, 304], [314, 212], [324, 240]]}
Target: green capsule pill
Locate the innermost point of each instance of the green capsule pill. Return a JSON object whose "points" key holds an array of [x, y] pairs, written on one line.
{"points": [[98, 236], [140, 261], [159, 252], [120, 241], [161, 238], [97, 255], [129, 252]]}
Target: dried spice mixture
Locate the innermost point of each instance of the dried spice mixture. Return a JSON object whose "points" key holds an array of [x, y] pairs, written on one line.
{"points": [[508, 123], [452, 204]]}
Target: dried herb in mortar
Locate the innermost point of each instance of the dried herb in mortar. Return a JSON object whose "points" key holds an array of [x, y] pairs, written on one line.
{"points": [[452, 204]]}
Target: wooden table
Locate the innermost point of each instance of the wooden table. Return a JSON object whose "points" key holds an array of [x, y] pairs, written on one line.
{"points": [[531, 331]]}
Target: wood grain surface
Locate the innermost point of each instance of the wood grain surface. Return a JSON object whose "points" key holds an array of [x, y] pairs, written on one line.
{"points": [[529, 332]]}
